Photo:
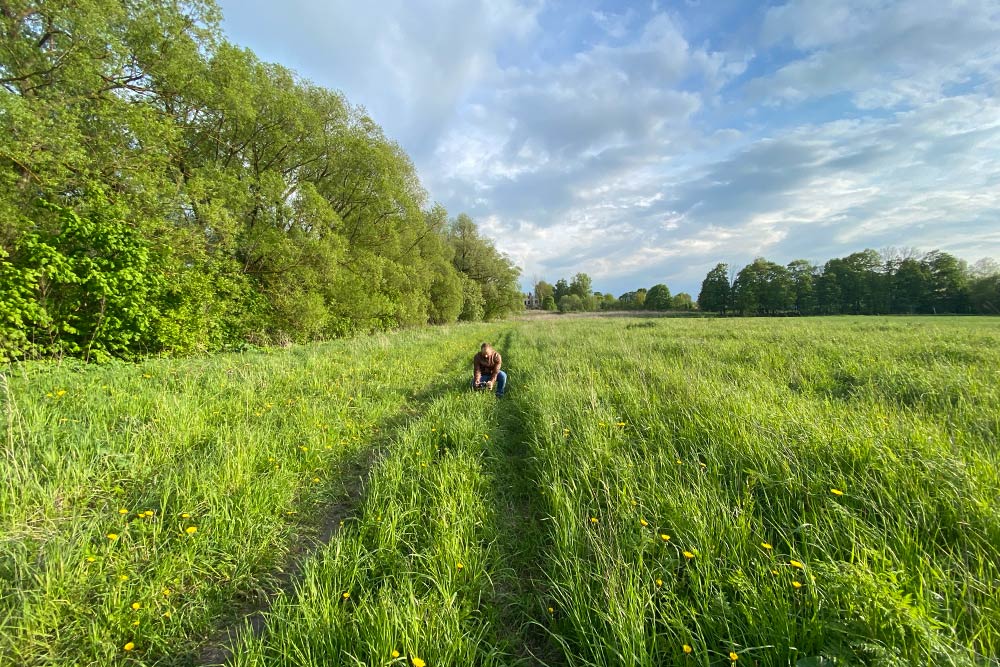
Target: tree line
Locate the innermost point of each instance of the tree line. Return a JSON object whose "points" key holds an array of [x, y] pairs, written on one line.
{"points": [[863, 283], [165, 191], [576, 296]]}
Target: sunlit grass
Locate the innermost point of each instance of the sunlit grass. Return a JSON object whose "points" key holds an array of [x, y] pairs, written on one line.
{"points": [[704, 492]]}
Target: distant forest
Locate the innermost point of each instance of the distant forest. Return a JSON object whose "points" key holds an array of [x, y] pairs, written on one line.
{"points": [[163, 191], [864, 283]]}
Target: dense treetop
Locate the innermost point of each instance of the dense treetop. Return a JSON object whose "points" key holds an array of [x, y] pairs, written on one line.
{"points": [[164, 191]]}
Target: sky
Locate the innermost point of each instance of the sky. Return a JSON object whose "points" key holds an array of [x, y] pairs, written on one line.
{"points": [[645, 142]]}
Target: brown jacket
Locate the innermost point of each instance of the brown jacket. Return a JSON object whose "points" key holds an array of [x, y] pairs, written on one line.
{"points": [[485, 365]]}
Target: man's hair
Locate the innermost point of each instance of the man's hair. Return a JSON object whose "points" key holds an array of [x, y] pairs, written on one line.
{"points": [[485, 348]]}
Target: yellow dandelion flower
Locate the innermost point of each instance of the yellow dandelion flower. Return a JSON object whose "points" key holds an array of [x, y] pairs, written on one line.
{"points": [[191, 530], [112, 536], [417, 662], [733, 656], [678, 461], [185, 515], [433, 429], [593, 519], [48, 395], [146, 375], [129, 646], [315, 480], [795, 563], [165, 591], [643, 522], [395, 654], [345, 595], [601, 424], [61, 392], [796, 584], [135, 623], [687, 648], [136, 606], [836, 492], [688, 555], [303, 448], [123, 511], [621, 423], [659, 583], [486, 437], [459, 566], [552, 610], [90, 559], [122, 577], [774, 572], [664, 537], [166, 614], [766, 545]]}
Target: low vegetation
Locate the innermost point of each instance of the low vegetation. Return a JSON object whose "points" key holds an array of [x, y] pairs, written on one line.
{"points": [[710, 492]]}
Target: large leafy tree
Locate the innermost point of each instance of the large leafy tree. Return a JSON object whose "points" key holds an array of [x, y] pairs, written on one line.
{"points": [[715, 292]]}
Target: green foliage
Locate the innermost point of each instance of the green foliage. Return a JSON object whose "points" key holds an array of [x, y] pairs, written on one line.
{"points": [[549, 303], [262, 207], [715, 292], [658, 298]]}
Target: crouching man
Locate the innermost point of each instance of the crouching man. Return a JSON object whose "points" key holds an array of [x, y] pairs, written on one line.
{"points": [[486, 370]]}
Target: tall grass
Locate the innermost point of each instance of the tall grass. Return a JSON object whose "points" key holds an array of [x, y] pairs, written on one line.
{"points": [[678, 492]]}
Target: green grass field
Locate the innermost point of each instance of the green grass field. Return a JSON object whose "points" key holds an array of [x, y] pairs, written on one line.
{"points": [[803, 492]]}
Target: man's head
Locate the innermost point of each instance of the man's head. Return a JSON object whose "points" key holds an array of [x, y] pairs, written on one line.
{"points": [[486, 349]]}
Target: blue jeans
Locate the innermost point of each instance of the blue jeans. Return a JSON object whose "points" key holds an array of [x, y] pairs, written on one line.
{"points": [[500, 385]]}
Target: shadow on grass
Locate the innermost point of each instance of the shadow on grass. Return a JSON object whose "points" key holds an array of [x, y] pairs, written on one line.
{"points": [[249, 615]]}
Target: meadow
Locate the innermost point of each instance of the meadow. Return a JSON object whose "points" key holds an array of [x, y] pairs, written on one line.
{"points": [[808, 492]]}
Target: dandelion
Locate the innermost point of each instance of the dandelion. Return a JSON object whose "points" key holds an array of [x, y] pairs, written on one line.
{"points": [[136, 606], [395, 654], [345, 595], [185, 515], [123, 511], [643, 522], [91, 559], [836, 492], [417, 662], [315, 480], [795, 563], [486, 437], [774, 572], [122, 577], [678, 461], [797, 584], [61, 393], [552, 610], [664, 537], [621, 423], [659, 583], [146, 375], [601, 424], [165, 591], [166, 614], [593, 519], [733, 656], [112, 536], [688, 555], [129, 646], [459, 566], [48, 395], [687, 648], [135, 623], [191, 530], [766, 545]]}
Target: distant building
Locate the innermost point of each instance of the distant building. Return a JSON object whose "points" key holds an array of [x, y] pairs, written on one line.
{"points": [[531, 301]]}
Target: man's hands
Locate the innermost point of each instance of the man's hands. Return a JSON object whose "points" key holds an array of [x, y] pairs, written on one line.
{"points": [[490, 384]]}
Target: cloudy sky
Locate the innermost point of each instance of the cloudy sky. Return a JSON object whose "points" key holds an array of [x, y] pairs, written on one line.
{"points": [[643, 142]]}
